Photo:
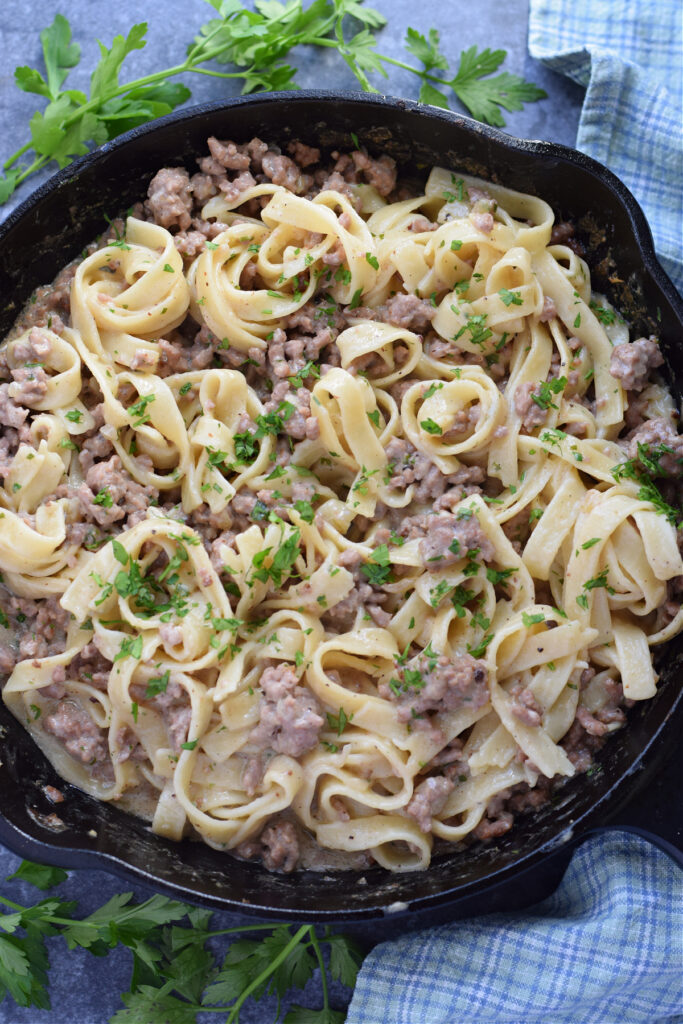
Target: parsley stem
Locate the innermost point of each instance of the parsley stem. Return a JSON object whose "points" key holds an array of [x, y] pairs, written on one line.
{"points": [[237, 931], [386, 60], [14, 906], [15, 156], [216, 74], [265, 974], [39, 162], [323, 973]]}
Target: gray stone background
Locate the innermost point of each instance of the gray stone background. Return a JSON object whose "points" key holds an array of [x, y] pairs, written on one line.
{"points": [[84, 989]]}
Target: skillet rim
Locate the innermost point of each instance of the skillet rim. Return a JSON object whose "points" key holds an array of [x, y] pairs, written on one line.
{"points": [[641, 235]]}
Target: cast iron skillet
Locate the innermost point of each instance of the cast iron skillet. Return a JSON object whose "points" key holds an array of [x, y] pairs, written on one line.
{"points": [[52, 227]]}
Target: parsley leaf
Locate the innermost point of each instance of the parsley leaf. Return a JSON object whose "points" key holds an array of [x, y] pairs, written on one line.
{"points": [[510, 298], [546, 389], [338, 722], [430, 426], [40, 875], [604, 315], [647, 490], [378, 569], [174, 970], [255, 42], [426, 49], [484, 96], [282, 562]]}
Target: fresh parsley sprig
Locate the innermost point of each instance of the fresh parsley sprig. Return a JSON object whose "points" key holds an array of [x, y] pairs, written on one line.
{"points": [[256, 43], [481, 95], [175, 975]]}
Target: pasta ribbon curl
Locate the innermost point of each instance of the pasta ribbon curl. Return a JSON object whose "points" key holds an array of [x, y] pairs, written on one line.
{"points": [[124, 298]]}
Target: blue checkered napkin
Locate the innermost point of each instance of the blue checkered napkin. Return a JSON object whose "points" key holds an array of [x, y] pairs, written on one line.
{"points": [[605, 948], [629, 55]]}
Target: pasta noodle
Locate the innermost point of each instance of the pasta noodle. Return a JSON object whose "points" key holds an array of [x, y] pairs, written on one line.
{"points": [[328, 522]]}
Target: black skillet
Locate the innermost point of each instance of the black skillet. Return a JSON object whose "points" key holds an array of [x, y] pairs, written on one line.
{"points": [[626, 787]]}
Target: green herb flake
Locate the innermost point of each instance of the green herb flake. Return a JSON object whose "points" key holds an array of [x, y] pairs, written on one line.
{"points": [[510, 298], [430, 426]]}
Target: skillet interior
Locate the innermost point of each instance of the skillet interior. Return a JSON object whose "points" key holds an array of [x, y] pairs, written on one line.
{"points": [[65, 214]]}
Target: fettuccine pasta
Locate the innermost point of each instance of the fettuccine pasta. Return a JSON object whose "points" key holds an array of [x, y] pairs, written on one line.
{"points": [[328, 522]]}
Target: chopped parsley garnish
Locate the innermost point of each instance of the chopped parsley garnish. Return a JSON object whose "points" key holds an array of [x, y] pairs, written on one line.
{"points": [[478, 649], [273, 422], [460, 194], [374, 417], [131, 647], [74, 415], [372, 260], [216, 458], [157, 684], [553, 437], [432, 390], [476, 327], [355, 301], [338, 722], [430, 426], [650, 457], [305, 510], [604, 315], [282, 563], [184, 388], [510, 298], [309, 369], [120, 553], [437, 593], [246, 447], [103, 498], [378, 569], [532, 619], [459, 598], [599, 581], [496, 576], [647, 491], [589, 543], [260, 511], [546, 389], [138, 411]]}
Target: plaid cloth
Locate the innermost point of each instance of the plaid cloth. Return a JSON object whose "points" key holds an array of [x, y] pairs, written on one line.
{"points": [[629, 55], [605, 948]]}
